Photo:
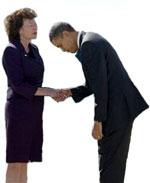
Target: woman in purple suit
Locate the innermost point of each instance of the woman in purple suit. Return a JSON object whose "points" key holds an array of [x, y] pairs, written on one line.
{"points": [[25, 96]]}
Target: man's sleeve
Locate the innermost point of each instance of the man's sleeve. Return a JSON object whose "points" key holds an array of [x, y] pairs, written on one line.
{"points": [[80, 92], [14, 71], [96, 69]]}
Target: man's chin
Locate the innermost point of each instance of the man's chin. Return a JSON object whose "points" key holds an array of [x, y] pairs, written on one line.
{"points": [[74, 51], [70, 51]]}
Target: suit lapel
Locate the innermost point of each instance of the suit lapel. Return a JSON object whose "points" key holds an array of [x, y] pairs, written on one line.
{"points": [[78, 54], [81, 38]]}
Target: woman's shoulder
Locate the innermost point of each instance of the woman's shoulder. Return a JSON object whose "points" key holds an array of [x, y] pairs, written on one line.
{"points": [[11, 45], [10, 54], [10, 49], [33, 46]]}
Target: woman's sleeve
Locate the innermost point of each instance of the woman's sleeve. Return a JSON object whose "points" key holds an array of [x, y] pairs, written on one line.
{"points": [[14, 71]]}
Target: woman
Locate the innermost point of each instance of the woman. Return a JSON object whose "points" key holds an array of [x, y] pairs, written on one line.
{"points": [[24, 107]]}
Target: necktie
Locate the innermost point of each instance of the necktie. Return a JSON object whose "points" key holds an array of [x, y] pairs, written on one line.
{"points": [[78, 55]]}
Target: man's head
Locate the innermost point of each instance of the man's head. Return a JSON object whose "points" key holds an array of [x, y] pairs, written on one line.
{"points": [[64, 36]]}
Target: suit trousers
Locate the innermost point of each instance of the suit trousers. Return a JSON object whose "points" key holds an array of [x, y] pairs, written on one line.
{"points": [[113, 151]]}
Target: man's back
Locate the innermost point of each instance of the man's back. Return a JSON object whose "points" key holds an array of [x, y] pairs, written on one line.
{"points": [[118, 80]]}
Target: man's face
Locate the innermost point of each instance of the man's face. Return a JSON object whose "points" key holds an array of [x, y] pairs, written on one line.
{"points": [[66, 42]]}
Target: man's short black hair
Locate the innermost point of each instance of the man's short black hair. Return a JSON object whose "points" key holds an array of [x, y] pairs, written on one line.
{"points": [[57, 29]]}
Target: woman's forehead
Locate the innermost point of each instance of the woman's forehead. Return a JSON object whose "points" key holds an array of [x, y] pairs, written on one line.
{"points": [[29, 21]]}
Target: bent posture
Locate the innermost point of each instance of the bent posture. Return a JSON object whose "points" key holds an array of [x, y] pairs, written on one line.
{"points": [[117, 100]]}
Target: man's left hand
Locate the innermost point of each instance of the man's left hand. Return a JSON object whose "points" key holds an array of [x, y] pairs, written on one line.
{"points": [[97, 131]]}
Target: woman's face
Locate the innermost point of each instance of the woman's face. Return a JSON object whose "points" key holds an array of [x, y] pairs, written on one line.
{"points": [[29, 29]]}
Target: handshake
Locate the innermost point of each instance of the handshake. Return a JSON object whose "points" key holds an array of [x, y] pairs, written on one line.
{"points": [[61, 94]]}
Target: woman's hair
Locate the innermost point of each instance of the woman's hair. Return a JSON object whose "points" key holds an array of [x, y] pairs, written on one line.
{"points": [[14, 22], [58, 28]]}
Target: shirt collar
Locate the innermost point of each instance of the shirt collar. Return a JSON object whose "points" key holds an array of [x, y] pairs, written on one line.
{"points": [[78, 39]]}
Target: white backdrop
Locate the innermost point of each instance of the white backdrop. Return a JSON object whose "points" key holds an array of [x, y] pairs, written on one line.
{"points": [[69, 151]]}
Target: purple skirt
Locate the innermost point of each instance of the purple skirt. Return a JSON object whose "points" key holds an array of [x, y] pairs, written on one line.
{"points": [[24, 129]]}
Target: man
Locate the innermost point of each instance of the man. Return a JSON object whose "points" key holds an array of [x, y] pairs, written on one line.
{"points": [[117, 100]]}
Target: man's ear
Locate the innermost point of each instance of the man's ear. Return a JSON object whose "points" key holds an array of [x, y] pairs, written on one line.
{"points": [[65, 34]]}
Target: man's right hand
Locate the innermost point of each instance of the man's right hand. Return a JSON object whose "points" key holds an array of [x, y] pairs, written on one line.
{"points": [[63, 94]]}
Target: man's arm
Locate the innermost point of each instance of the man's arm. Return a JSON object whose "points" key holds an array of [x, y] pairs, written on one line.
{"points": [[80, 92], [77, 93], [95, 65]]}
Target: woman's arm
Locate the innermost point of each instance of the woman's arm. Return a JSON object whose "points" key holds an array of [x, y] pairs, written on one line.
{"points": [[45, 91], [15, 75]]}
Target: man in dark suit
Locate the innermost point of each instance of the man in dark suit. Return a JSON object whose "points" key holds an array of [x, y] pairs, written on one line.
{"points": [[117, 101]]}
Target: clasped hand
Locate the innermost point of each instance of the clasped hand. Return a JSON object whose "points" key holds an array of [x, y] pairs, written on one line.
{"points": [[61, 95]]}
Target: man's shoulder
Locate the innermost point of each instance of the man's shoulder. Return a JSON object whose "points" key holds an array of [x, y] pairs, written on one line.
{"points": [[92, 37]]}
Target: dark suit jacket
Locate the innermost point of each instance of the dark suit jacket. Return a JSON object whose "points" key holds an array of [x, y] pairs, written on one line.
{"points": [[24, 72], [107, 79], [23, 110]]}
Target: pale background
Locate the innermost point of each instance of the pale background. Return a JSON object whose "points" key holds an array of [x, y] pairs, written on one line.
{"points": [[69, 151]]}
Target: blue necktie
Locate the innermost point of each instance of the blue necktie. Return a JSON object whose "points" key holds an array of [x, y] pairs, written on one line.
{"points": [[78, 55]]}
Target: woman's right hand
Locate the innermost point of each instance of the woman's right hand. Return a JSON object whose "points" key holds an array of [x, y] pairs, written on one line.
{"points": [[53, 92], [56, 94], [63, 94]]}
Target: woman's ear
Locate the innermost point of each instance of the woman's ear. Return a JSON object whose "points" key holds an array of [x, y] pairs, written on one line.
{"points": [[20, 31]]}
